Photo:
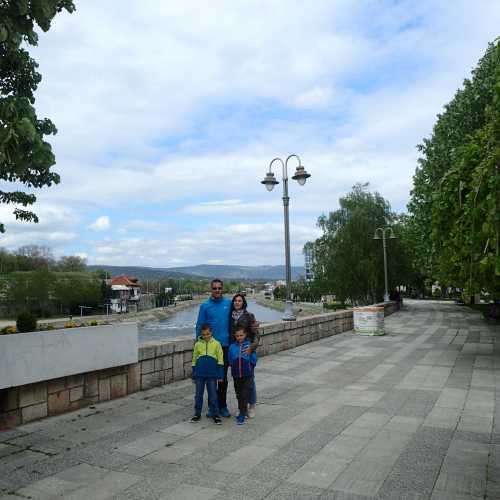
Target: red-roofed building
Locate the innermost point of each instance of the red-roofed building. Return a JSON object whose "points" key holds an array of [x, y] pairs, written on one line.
{"points": [[125, 294]]}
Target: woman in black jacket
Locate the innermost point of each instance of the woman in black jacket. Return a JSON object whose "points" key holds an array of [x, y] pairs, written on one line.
{"points": [[239, 316]]}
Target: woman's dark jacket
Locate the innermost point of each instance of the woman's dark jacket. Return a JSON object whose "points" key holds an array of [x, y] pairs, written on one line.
{"points": [[251, 326]]}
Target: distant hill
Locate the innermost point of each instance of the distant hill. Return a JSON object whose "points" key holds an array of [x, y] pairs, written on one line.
{"points": [[143, 273], [249, 273], [239, 272]]}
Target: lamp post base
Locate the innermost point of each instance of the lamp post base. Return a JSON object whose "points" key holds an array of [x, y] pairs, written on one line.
{"points": [[288, 315], [386, 297]]}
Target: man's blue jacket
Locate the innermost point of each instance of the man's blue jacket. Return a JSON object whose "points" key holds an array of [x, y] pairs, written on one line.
{"points": [[216, 314]]}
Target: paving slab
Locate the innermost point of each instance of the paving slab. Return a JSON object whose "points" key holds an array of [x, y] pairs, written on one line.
{"points": [[412, 415]]}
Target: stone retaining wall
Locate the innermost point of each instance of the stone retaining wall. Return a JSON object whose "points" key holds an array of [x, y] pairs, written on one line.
{"points": [[159, 363]]}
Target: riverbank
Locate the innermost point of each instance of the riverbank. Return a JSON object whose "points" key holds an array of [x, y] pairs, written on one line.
{"points": [[141, 317], [300, 309]]}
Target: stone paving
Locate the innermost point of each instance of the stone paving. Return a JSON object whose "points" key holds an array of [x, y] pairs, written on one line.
{"points": [[411, 415]]}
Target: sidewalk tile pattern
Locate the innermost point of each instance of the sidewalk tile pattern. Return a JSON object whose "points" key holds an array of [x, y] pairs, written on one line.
{"points": [[412, 415]]}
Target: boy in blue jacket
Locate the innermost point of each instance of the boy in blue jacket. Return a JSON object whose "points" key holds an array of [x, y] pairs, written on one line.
{"points": [[215, 313], [208, 368], [242, 368]]}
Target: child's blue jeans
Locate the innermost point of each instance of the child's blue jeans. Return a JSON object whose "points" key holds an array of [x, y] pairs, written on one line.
{"points": [[211, 384]]}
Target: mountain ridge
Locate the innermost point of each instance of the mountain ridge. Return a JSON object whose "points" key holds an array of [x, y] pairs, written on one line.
{"points": [[203, 271]]}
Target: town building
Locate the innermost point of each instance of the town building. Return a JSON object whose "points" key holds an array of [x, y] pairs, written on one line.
{"points": [[125, 294]]}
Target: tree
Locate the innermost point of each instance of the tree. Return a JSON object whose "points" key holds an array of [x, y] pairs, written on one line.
{"points": [[30, 291], [348, 262], [76, 289], [409, 265], [72, 263], [102, 273], [455, 202], [8, 261], [32, 257], [25, 157]]}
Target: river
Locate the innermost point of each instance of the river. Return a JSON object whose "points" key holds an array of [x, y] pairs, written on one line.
{"points": [[181, 324]]}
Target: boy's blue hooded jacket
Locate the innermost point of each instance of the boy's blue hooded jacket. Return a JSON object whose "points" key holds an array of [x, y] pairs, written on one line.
{"points": [[242, 364]]}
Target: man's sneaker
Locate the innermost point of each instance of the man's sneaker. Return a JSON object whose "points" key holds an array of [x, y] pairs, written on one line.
{"points": [[251, 411], [217, 421], [225, 412], [240, 419], [195, 419]]}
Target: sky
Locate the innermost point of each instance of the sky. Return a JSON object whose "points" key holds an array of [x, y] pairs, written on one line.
{"points": [[169, 113]]}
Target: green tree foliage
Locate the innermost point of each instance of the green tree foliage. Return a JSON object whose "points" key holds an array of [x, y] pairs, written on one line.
{"points": [[72, 290], [102, 273], [72, 263], [348, 262], [455, 202], [408, 265], [25, 157], [302, 291], [45, 293], [35, 257]]}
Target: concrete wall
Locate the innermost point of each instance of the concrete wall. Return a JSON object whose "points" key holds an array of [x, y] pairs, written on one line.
{"points": [[35, 356], [158, 363]]}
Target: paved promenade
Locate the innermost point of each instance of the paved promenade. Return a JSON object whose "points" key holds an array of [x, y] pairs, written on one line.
{"points": [[412, 415]]}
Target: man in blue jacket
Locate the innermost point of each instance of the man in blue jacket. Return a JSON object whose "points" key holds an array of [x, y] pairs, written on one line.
{"points": [[215, 312]]}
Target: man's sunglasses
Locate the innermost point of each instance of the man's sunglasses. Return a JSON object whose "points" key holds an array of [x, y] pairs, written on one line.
{"points": [[216, 288]]}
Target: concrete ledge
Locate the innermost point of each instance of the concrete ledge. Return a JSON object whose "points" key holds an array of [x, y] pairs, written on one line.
{"points": [[26, 358]]}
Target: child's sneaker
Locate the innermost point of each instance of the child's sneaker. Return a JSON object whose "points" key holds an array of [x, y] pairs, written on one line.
{"points": [[240, 419], [195, 418], [217, 421]]}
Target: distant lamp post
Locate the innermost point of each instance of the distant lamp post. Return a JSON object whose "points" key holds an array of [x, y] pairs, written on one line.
{"points": [[270, 181], [376, 236]]}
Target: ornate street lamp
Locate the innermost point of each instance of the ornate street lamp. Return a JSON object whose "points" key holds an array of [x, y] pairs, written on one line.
{"points": [[270, 181], [383, 232]]}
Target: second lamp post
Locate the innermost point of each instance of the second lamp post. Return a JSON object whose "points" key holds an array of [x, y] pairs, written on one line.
{"points": [[270, 181], [376, 236]]}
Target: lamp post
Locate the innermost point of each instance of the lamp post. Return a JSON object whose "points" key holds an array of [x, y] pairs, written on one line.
{"points": [[270, 181], [376, 236]]}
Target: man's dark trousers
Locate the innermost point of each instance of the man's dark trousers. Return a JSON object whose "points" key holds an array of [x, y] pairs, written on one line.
{"points": [[222, 388]]}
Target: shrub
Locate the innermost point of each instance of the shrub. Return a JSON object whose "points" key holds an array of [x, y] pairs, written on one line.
{"points": [[94, 323], [70, 324], [26, 322], [8, 330]]}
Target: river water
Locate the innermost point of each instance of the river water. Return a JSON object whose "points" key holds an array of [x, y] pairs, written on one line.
{"points": [[181, 324]]}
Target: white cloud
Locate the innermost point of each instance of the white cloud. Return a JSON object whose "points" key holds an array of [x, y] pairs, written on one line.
{"points": [[56, 228], [244, 244], [317, 97], [53, 239], [221, 203], [169, 113], [100, 224]]}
